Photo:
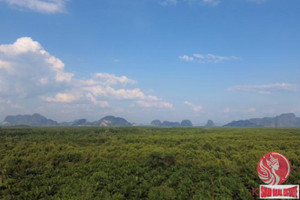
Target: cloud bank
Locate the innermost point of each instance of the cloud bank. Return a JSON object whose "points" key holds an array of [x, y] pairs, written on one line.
{"points": [[28, 71], [207, 58]]}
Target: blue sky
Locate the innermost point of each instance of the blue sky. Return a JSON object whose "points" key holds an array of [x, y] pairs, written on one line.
{"points": [[150, 59]]}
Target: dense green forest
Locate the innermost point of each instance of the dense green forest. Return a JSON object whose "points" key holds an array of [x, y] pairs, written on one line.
{"points": [[138, 163]]}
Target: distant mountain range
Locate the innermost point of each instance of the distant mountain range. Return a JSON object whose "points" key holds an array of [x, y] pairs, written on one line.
{"points": [[283, 120], [39, 120], [185, 123]]}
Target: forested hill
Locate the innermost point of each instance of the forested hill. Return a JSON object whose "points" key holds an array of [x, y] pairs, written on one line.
{"points": [[184, 123], [28, 120]]}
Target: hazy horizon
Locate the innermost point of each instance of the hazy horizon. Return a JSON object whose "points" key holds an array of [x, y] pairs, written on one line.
{"points": [[150, 59]]}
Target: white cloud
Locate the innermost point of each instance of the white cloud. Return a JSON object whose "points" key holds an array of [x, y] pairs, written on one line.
{"points": [[63, 98], [111, 79], [207, 58], [102, 104], [193, 106], [264, 89], [135, 93], [36, 74], [199, 56], [211, 58], [21, 46], [186, 58], [31, 69], [154, 102], [5, 65], [55, 62], [110, 92], [43, 6]]}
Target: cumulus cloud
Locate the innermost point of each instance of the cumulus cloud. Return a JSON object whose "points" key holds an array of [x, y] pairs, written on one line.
{"points": [[154, 102], [98, 89], [43, 6], [63, 98], [5, 65], [111, 79], [264, 89], [93, 99], [21, 46], [207, 58], [28, 71], [196, 108]]}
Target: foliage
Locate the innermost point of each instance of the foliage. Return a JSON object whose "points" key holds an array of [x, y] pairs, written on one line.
{"points": [[138, 162]]}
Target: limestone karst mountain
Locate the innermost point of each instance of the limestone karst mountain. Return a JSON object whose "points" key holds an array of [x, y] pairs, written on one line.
{"points": [[283, 120]]}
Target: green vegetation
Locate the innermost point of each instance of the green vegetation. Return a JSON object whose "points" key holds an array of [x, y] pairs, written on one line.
{"points": [[138, 163]]}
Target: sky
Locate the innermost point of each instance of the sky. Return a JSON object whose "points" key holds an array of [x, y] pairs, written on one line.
{"points": [[142, 60]]}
